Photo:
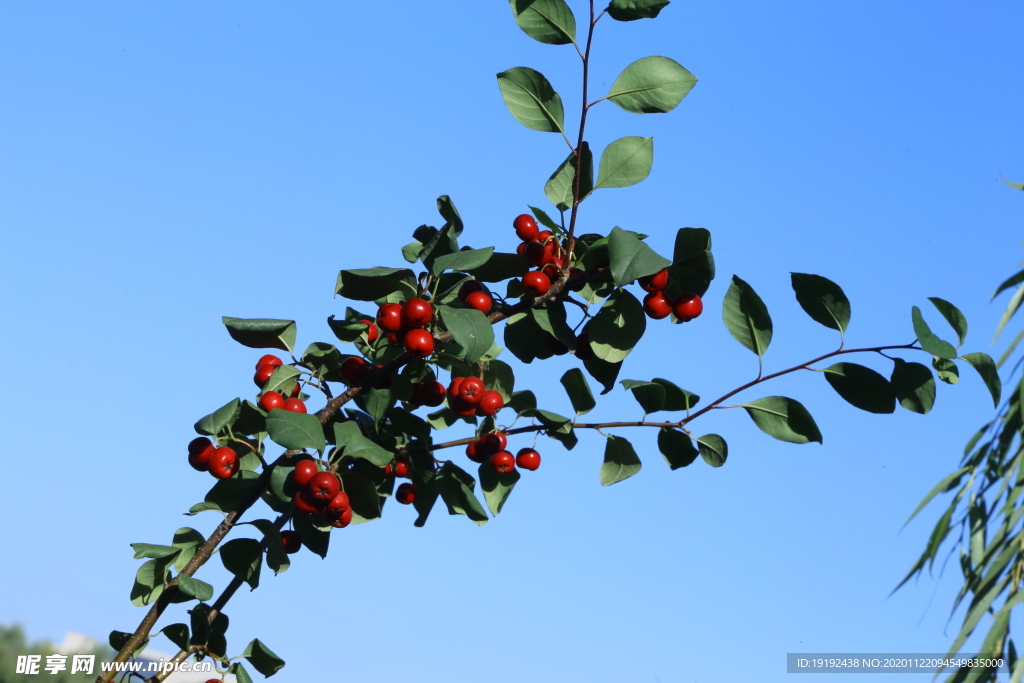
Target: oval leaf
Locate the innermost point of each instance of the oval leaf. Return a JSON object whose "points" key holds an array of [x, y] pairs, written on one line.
{"points": [[295, 431], [783, 418], [953, 316], [456, 489], [861, 387], [713, 449], [620, 461], [676, 447], [652, 85], [746, 317], [216, 421], [262, 333], [546, 21], [649, 395], [625, 162], [822, 299], [617, 327], [580, 396], [983, 363], [531, 100], [631, 10], [929, 342], [243, 557], [676, 398], [263, 658], [496, 487], [631, 258], [462, 260], [947, 370], [471, 330], [913, 385], [558, 188]]}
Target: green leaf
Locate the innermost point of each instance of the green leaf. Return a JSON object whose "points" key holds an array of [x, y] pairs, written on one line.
{"points": [[861, 387], [496, 487], [952, 315], [746, 317], [783, 418], [547, 21], [620, 461], [362, 496], [241, 675], [652, 85], [625, 162], [521, 401], [177, 633], [194, 588], [631, 10], [579, 391], [149, 582], [983, 363], [692, 250], [947, 370], [544, 219], [456, 488], [377, 402], [499, 267], [631, 258], [676, 398], [411, 251], [603, 371], [348, 437], [227, 493], [500, 377], [471, 330], [525, 338], [243, 557], [531, 100], [823, 300], [462, 261], [277, 558], [262, 333], [650, 395], [215, 422], [313, 538], [676, 447], [558, 188], [263, 658], [156, 552], [347, 330], [370, 284], [948, 483], [295, 431], [187, 540], [713, 449], [442, 419], [285, 378], [913, 385], [552, 319], [929, 342], [617, 327]]}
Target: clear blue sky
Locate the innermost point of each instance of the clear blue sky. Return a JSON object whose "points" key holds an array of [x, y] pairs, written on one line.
{"points": [[163, 165]]}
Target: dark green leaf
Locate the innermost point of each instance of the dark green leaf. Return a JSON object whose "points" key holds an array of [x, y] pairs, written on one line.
{"points": [[471, 330], [456, 488], [157, 552], [462, 261], [377, 402], [631, 10], [544, 219], [631, 258], [823, 300], [620, 461], [262, 333], [177, 634], [348, 437], [313, 538], [226, 493], [263, 658], [947, 370], [531, 100], [603, 371], [579, 391], [347, 330], [149, 582], [913, 385], [362, 496], [558, 188], [861, 387], [952, 315], [194, 588], [929, 342], [652, 85], [500, 267], [983, 363], [499, 377], [212, 424], [676, 447], [241, 675], [243, 557], [948, 483], [625, 162], [649, 395], [370, 284], [746, 317], [547, 21], [713, 449], [552, 319], [496, 487], [676, 398], [295, 431], [522, 401], [692, 250], [783, 418], [277, 558], [525, 338], [617, 327]]}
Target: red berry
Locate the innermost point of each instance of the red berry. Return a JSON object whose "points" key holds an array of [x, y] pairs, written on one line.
{"points": [[389, 317], [541, 236], [342, 520], [324, 486], [492, 442], [401, 468], [271, 400], [295, 390], [305, 470], [503, 462], [471, 390], [269, 359], [223, 463], [338, 504], [528, 459], [388, 469], [480, 302], [200, 450], [292, 543], [473, 451], [416, 399], [656, 282], [294, 405], [263, 373], [354, 370], [417, 313], [432, 394], [468, 287], [396, 338], [305, 502], [490, 403], [406, 493], [657, 305], [536, 283], [688, 307], [525, 225], [419, 343], [371, 331], [460, 407], [521, 249], [537, 254], [453, 388]]}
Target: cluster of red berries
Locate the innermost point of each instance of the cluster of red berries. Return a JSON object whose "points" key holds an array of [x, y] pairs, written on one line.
{"points": [[406, 492], [320, 494], [468, 396], [658, 305], [491, 446], [405, 323], [265, 367], [203, 456], [541, 249]]}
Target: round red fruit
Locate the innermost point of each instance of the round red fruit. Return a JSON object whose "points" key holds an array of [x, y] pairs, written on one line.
{"points": [[503, 462], [342, 520], [468, 287], [389, 317], [480, 301], [432, 394], [417, 313], [324, 486], [536, 283], [338, 504], [263, 373], [305, 502], [354, 370], [492, 442], [294, 405], [528, 459], [521, 249], [295, 390], [453, 388], [526, 226], [657, 305], [223, 463], [490, 403], [292, 543], [473, 451], [688, 307], [401, 469], [305, 470], [200, 450], [471, 390], [656, 282], [419, 343], [406, 493], [371, 331], [461, 408], [537, 254], [271, 400], [269, 359], [541, 236]]}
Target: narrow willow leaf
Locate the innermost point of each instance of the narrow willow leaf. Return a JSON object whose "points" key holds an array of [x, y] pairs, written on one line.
{"points": [[823, 300], [620, 461], [784, 418], [713, 449], [531, 100], [929, 342], [913, 385], [746, 317], [631, 258], [953, 316], [861, 387], [625, 162], [652, 85], [985, 366], [546, 21]]}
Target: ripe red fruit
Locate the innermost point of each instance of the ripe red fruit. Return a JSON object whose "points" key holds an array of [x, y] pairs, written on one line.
{"points": [[453, 388], [338, 504], [460, 407], [354, 370], [324, 486], [491, 443], [292, 543], [528, 459], [541, 236], [656, 282], [401, 468], [305, 470], [269, 359], [223, 463], [388, 469], [480, 301], [503, 462], [490, 403], [271, 400], [342, 520], [305, 502], [263, 373], [657, 305], [536, 283], [396, 338], [471, 390], [417, 313], [371, 331], [294, 405], [468, 287], [432, 394], [526, 226], [389, 317], [419, 343], [473, 451], [521, 249], [688, 307], [538, 254], [200, 450], [296, 390], [406, 493]]}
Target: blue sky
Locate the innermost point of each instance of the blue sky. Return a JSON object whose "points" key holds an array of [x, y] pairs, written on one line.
{"points": [[161, 166]]}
